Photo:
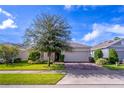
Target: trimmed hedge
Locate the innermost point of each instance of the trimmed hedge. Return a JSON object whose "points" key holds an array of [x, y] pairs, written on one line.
{"points": [[61, 58], [17, 60]]}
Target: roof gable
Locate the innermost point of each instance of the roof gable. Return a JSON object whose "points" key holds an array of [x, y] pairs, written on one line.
{"points": [[106, 44]]}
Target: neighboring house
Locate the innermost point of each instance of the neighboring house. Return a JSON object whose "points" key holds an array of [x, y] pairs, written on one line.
{"points": [[23, 53], [79, 53], [118, 45]]}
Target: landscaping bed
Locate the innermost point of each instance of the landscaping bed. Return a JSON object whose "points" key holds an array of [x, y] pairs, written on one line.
{"points": [[30, 79], [27, 66], [114, 67]]}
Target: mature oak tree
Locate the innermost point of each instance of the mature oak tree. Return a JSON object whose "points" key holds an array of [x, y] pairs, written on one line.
{"points": [[48, 33]]}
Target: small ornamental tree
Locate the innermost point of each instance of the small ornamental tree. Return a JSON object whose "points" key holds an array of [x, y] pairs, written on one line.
{"points": [[8, 53], [98, 54], [113, 56]]}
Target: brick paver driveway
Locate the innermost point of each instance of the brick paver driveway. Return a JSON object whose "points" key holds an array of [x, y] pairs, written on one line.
{"points": [[89, 73]]}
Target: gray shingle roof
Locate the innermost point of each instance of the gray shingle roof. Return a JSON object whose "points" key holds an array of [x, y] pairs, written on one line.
{"points": [[105, 44], [78, 45]]}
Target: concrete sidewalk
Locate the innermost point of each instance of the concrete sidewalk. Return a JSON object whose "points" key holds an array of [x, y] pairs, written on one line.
{"points": [[33, 72], [64, 86]]}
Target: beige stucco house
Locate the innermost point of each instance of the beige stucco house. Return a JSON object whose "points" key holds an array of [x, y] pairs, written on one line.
{"points": [[79, 53], [118, 45]]}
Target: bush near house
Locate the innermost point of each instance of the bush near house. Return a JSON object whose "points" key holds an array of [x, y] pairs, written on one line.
{"points": [[98, 54], [61, 58], [101, 61], [34, 57], [17, 60], [8, 53], [113, 56], [91, 59]]}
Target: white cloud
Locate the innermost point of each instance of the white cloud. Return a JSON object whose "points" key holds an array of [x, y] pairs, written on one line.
{"points": [[6, 13], [91, 35], [67, 7], [9, 23], [99, 30]]}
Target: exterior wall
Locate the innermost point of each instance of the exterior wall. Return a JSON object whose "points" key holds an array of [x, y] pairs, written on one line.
{"points": [[119, 47], [23, 54], [105, 53], [80, 49], [77, 54], [45, 56]]}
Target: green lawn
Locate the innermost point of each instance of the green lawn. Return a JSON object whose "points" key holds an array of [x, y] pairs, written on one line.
{"points": [[26, 66], [114, 67], [30, 79]]}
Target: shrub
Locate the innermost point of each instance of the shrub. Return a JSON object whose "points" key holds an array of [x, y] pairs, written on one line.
{"points": [[8, 52], [17, 60], [34, 62], [38, 62], [2, 61], [34, 55], [91, 59], [61, 58], [30, 61], [98, 54], [113, 56], [101, 61]]}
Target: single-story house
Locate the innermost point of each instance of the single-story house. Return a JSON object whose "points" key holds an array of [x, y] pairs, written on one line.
{"points": [[79, 53], [118, 45]]}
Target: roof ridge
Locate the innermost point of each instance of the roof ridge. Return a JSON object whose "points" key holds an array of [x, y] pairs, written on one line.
{"points": [[106, 44]]}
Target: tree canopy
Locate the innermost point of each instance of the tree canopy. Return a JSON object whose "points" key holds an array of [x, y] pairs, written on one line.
{"points": [[48, 33]]}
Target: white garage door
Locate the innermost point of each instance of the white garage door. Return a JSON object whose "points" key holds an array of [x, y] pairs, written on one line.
{"points": [[76, 56], [121, 55]]}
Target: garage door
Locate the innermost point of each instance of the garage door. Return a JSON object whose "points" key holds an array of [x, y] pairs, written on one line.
{"points": [[120, 55], [76, 56]]}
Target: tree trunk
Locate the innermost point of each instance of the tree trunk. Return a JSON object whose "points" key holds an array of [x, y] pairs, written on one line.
{"points": [[49, 55]]}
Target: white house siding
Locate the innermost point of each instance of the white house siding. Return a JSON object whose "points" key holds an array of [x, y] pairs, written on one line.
{"points": [[105, 52], [23, 54], [45, 56], [119, 47]]}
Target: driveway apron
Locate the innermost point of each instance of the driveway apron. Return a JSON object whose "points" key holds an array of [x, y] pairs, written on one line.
{"points": [[89, 73]]}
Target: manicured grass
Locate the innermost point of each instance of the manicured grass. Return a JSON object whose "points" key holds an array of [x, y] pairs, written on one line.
{"points": [[114, 67], [26, 66], [30, 79]]}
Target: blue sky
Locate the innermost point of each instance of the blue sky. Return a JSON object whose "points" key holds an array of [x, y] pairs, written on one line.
{"points": [[90, 24]]}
